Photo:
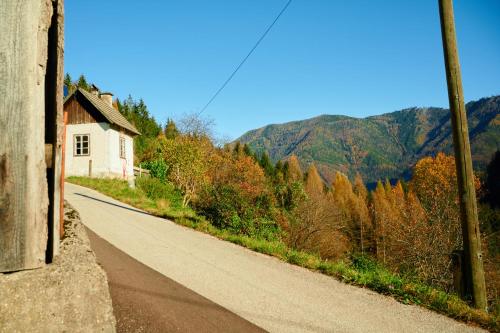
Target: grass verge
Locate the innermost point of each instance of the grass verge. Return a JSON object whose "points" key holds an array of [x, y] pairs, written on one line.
{"points": [[165, 201]]}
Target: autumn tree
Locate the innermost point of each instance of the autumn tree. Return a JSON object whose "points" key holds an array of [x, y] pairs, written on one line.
{"points": [[381, 212], [362, 214], [188, 159], [434, 183], [313, 184], [352, 210], [237, 196], [293, 172]]}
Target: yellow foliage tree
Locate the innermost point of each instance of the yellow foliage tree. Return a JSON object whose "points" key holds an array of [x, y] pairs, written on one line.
{"points": [[362, 214], [294, 172], [314, 186]]}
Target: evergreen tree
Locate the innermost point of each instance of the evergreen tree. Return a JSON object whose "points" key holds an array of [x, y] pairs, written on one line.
{"points": [[68, 83], [171, 130], [278, 168], [266, 165], [82, 83], [247, 150], [237, 149], [137, 114]]}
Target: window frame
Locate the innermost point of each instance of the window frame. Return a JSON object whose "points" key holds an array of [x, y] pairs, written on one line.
{"points": [[122, 151], [81, 148]]}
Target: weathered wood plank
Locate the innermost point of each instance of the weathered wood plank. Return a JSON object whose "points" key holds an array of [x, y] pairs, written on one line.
{"points": [[23, 177], [80, 114], [55, 125]]}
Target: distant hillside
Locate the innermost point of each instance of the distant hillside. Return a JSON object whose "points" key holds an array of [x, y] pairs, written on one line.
{"points": [[378, 147]]}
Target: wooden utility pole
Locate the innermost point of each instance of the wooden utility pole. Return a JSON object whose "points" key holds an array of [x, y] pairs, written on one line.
{"points": [[31, 81], [473, 260]]}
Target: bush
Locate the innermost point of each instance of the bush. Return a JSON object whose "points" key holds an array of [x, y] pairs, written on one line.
{"points": [[227, 208], [157, 168], [155, 189]]}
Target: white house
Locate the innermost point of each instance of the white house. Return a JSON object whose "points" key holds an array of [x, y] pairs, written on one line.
{"points": [[99, 140]]}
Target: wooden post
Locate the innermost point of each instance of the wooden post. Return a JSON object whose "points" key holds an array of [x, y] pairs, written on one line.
{"points": [[473, 260], [54, 124], [30, 69], [61, 182]]}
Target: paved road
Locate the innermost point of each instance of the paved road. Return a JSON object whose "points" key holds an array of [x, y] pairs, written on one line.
{"points": [[147, 301], [273, 295]]}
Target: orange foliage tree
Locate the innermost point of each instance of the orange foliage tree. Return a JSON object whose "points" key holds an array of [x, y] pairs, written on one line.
{"points": [[435, 184]]}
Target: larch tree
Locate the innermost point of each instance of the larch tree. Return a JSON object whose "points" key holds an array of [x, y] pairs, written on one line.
{"points": [[293, 170], [313, 183], [362, 214], [381, 211]]}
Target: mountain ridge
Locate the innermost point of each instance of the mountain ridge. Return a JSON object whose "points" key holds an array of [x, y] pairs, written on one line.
{"points": [[378, 146]]}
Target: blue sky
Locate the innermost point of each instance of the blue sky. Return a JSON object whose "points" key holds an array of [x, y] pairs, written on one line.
{"points": [[356, 58]]}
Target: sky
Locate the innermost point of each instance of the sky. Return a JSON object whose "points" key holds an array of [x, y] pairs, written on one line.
{"points": [[355, 58]]}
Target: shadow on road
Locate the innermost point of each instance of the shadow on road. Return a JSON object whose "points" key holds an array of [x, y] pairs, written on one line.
{"points": [[114, 204]]}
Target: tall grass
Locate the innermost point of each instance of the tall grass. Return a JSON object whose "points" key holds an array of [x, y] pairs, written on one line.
{"points": [[164, 200]]}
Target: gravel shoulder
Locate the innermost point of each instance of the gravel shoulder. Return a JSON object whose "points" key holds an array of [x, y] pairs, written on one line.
{"points": [[274, 295]]}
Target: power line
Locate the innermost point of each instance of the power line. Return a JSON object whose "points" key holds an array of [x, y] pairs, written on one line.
{"points": [[246, 57]]}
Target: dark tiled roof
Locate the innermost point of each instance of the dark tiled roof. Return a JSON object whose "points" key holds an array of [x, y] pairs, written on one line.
{"points": [[109, 112]]}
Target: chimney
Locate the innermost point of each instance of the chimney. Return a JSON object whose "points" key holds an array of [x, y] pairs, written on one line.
{"points": [[94, 90], [107, 97]]}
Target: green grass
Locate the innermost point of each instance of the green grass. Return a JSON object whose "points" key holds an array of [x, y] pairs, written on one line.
{"points": [[359, 270]]}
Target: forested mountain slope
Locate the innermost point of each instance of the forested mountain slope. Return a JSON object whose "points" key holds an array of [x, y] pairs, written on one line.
{"points": [[384, 146]]}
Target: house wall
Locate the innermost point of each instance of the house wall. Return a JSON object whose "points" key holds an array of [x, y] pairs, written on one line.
{"points": [[104, 152], [121, 167]]}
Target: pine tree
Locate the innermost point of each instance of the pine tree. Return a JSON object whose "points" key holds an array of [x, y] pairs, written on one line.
{"points": [[82, 83], [279, 166], [68, 83], [266, 164], [247, 150], [171, 130]]}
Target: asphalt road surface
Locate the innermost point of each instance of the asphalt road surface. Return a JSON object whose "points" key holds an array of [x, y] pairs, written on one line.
{"points": [[236, 286]]}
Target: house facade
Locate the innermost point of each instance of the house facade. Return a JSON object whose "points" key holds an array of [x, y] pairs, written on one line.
{"points": [[99, 140]]}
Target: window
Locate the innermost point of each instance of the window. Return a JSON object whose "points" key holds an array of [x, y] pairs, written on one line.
{"points": [[81, 146], [122, 147]]}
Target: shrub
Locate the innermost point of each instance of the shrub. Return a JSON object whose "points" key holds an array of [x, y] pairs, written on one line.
{"points": [[155, 189], [158, 169]]}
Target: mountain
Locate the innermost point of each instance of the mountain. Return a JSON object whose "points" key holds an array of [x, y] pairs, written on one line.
{"points": [[378, 147]]}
